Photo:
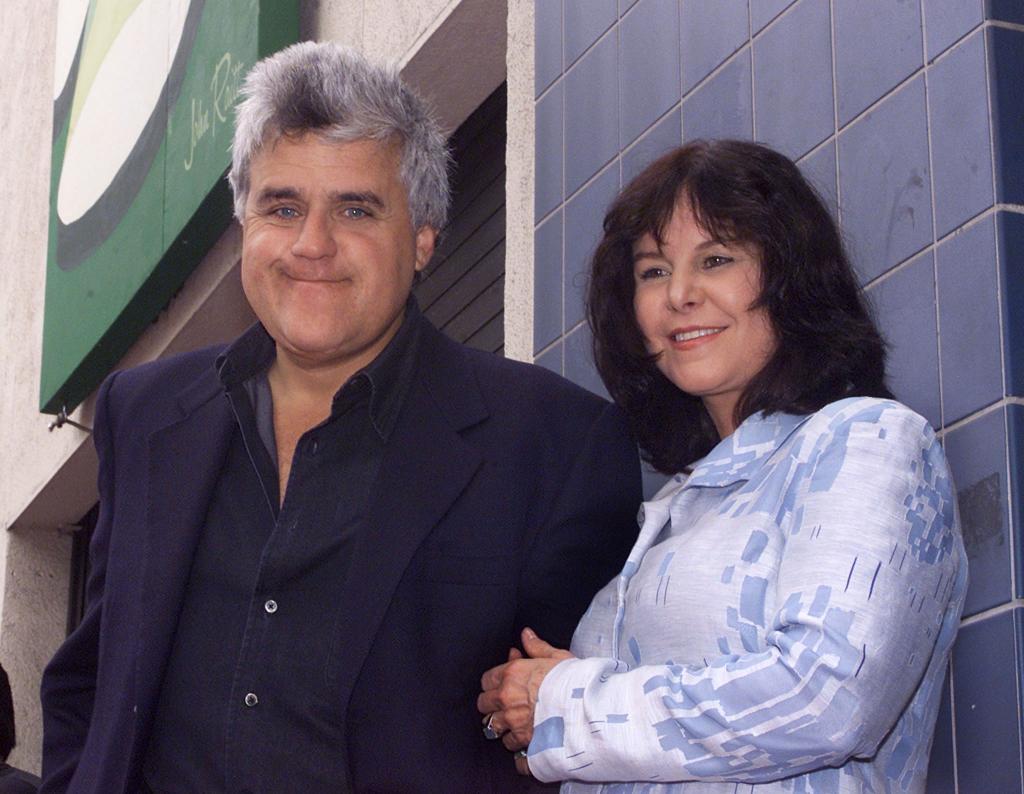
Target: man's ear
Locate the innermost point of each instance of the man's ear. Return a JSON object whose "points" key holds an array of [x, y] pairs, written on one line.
{"points": [[426, 237]]}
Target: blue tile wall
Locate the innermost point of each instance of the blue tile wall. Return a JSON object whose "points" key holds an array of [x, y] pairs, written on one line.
{"points": [[945, 21], [721, 107], [585, 21], [648, 66], [819, 168], [548, 152], [667, 134], [551, 358], [961, 135], [1006, 56], [893, 38], [885, 183], [793, 80], [547, 43], [977, 458], [905, 309], [985, 700], [1005, 10], [579, 361], [711, 33], [972, 373], [592, 117], [940, 768], [1010, 227], [928, 93], [1015, 439], [584, 215], [764, 11], [547, 282]]}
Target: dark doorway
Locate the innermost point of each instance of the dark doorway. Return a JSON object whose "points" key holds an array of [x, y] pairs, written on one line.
{"points": [[463, 291]]}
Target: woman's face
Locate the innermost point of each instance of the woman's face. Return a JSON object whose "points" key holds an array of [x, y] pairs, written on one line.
{"points": [[693, 305]]}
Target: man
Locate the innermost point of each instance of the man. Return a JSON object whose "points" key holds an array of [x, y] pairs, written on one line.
{"points": [[312, 543]]}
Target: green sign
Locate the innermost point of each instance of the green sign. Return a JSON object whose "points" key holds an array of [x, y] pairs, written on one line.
{"points": [[144, 92]]}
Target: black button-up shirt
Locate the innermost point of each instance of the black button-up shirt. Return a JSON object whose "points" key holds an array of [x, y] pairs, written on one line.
{"points": [[247, 703]]}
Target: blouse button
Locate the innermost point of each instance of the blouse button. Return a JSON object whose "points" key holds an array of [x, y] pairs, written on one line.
{"points": [[270, 606], [251, 700]]}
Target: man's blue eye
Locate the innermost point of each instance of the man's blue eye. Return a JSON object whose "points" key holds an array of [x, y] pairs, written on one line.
{"points": [[286, 212], [356, 212]]}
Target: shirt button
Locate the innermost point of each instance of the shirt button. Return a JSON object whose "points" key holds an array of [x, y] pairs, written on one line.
{"points": [[251, 700], [270, 606]]}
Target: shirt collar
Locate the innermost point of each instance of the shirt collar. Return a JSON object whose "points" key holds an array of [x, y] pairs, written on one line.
{"points": [[388, 375], [737, 457], [391, 373]]}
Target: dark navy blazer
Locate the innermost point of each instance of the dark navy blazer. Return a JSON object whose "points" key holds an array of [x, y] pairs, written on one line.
{"points": [[507, 497]]}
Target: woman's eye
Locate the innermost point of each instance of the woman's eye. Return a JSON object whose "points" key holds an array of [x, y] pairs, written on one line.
{"points": [[652, 272], [716, 261]]}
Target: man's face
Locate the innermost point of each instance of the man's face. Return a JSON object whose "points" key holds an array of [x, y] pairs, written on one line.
{"points": [[328, 249]]}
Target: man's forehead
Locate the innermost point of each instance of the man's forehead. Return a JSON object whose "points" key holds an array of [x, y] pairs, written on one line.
{"points": [[388, 150], [312, 162]]}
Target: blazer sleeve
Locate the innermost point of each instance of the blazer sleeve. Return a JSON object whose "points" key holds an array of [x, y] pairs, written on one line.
{"points": [[587, 534], [844, 651], [69, 680]]}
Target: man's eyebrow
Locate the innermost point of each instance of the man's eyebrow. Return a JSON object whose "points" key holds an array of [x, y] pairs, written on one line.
{"points": [[358, 197], [271, 194]]}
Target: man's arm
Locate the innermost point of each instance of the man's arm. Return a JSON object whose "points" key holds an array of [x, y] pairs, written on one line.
{"points": [[69, 681], [588, 533]]}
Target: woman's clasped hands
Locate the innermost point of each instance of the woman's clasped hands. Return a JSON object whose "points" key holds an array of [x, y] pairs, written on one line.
{"points": [[510, 693]]}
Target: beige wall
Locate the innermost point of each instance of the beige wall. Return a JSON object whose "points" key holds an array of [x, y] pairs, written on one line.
{"points": [[453, 51]]}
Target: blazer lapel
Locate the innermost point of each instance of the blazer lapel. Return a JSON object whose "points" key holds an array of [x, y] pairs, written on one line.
{"points": [[185, 461], [426, 466]]}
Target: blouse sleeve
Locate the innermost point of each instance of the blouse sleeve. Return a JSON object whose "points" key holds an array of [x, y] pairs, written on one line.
{"points": [[846, 647]]}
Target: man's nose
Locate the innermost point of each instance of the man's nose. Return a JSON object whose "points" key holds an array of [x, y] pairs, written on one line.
{"points": [[315, 240]]}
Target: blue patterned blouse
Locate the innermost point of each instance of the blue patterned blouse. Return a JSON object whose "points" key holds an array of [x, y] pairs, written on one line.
{"points": [[782, 624]]}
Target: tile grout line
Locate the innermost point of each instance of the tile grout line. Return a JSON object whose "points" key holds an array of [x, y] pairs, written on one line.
{"points": [[590, 47], [961, 229], [1000, 23], [721, 67], [978, 414], [938, 340], [1010, 494], [931, 189], [992, 612], [565, 152], [835, 110], [753, 94], [997, 248]]}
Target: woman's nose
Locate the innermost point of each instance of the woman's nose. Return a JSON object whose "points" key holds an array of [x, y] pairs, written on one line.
{"points": [[683, 290]]}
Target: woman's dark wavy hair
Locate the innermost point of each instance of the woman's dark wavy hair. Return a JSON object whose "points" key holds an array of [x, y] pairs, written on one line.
{"points": [[828, 346]]}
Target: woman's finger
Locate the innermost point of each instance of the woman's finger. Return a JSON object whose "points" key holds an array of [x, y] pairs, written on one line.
{"points": [[536, 648]]}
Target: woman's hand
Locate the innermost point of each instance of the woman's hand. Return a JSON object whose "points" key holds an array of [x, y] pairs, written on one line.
{"points": [[510, 691]]}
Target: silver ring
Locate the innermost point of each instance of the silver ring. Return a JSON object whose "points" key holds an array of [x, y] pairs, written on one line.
{"points": [[489, 732], [520, 753]]}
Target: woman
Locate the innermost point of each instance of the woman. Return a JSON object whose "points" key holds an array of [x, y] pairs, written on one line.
{"points": [[785, 617]]}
